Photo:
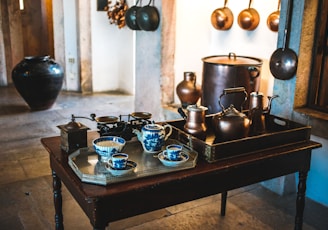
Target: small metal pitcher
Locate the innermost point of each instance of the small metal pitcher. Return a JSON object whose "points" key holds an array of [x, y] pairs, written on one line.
{"points": [[195, 120], [257, 112]]}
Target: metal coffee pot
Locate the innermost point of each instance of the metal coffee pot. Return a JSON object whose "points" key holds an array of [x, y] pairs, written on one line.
{"points": [[230, 124], [195, 120], [257, 113]]}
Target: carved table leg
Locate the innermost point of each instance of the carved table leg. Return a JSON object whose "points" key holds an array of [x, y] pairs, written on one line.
{"points": [[223, 202], [300, 200], [57, 201]]}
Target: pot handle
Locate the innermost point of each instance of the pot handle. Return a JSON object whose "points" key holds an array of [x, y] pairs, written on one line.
{"points": [[232, 90], [182, 113], [168, 131], [254, 71]]}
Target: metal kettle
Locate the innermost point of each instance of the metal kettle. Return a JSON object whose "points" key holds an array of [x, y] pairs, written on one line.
{"points": [[195, 120], [230, 124], [257, 112]]}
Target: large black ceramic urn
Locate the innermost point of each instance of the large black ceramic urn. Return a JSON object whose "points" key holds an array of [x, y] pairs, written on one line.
{"points": [[38, 79]]}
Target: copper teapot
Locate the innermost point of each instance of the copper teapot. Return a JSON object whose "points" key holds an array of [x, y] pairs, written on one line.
{"points": [[230, 124], [195, 120]]}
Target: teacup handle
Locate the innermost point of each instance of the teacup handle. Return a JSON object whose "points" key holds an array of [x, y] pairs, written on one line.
{"points": [[164, 153], [167, 134]]}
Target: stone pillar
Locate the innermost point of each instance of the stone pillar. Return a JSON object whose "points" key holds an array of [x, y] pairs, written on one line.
{"points": [[168, 51], [72, 38], [85, 49], [59, 36], [286, 89], [148, 96]]}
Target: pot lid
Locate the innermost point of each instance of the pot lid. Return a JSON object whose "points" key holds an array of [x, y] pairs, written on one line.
{"points": [[232, 59], [196, 108], [233, 112], [73, 126]]}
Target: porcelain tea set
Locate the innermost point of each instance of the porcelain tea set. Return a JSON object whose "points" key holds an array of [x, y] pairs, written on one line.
{"points": [[152, 138]]}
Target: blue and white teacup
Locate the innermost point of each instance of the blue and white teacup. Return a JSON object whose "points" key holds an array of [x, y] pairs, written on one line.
{"points": [[173, 152], [119, 160]]}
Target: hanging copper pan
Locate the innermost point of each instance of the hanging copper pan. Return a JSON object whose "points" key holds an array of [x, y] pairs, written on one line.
{"points": [[273, 19], [222, 18], [249, 18]]}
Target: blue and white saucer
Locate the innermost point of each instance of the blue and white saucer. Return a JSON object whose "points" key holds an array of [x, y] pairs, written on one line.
{"points": [[167, 162], [130, 167]]}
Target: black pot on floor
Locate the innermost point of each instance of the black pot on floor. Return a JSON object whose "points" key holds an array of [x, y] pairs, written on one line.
{"points": [[38, 79]]}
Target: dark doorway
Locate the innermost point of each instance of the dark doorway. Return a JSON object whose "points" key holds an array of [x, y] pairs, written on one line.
{"points": [[26, 31], [37, 27]]}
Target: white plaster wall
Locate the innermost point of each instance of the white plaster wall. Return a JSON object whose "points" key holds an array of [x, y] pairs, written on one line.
{"points": [[113, 49], [196, 37], [112, 54]]}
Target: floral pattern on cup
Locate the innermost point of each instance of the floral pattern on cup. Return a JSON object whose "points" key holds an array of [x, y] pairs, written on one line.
{"points": [[153, 136], [173, 152], [119, 160], [106, 146]]}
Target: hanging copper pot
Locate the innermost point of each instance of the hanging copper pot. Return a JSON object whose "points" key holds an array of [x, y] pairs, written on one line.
{"points": [[273, 19], [222, 18], [249, 18]]}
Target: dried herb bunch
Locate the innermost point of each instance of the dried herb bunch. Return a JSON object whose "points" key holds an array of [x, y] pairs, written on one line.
{"points": [[116, 12]]}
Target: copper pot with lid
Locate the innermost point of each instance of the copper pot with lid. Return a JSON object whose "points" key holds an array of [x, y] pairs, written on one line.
{"points": [[228, 71]]}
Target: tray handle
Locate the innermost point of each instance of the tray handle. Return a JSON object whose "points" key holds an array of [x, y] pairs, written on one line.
{"points": [[185, 139], [280, 121], [75, 168]]}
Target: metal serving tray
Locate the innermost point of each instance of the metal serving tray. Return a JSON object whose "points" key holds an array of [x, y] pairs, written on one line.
{"points": [[85, 164], [279, 132]]}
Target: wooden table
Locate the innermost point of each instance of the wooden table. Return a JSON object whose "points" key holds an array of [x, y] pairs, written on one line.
{"points": [[150, 193]]}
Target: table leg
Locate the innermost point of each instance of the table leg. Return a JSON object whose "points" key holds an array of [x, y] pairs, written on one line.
{"points": [[300, 200], [223, 202], [57, 201]]}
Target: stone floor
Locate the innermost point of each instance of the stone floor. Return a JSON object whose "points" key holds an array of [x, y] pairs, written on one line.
{"points": [[26, 184]]}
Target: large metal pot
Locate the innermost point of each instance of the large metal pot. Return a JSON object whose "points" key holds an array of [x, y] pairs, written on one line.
{"points": [[228, 71]]}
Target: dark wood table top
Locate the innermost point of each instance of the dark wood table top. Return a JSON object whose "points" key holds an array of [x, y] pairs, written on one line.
{"points": [[168, 189]]}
